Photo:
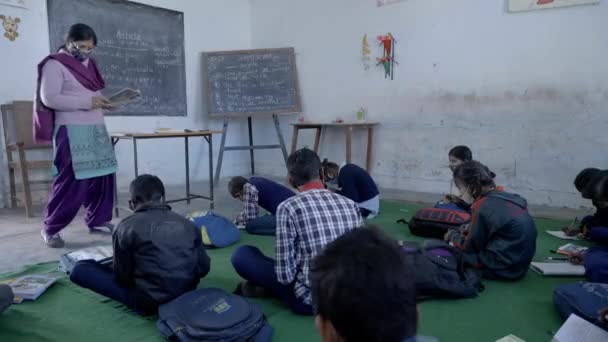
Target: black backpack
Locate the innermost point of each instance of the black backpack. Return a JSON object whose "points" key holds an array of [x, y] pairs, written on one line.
{"points": [[440, 271], [212, 315]]}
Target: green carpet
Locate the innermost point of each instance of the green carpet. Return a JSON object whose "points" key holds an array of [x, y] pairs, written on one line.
{"points": [[68, 313]]}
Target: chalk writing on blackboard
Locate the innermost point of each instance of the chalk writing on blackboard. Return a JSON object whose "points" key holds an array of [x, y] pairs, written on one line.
{"points": [[139, 47], [251, 82]]}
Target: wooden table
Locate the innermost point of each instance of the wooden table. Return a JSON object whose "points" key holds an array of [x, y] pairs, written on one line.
{"points": [[349, 126], [134, 137]]}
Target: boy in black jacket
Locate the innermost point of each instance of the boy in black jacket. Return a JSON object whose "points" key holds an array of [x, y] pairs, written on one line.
{"points": [[158, 254]]}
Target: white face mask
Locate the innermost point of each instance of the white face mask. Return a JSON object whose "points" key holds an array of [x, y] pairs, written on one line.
{"points": [[466, 196]]}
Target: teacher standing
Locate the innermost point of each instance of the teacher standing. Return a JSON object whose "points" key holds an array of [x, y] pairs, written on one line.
{"points": [[69, 112]]}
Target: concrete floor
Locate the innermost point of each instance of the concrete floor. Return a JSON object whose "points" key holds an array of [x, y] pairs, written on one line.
{"points": [[21, 243]]}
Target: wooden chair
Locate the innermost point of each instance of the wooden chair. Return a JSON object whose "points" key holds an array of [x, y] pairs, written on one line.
{"points": [[18, 139]]}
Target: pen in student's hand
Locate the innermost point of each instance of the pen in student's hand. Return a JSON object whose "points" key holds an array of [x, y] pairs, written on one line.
{"points": [[556, 259]]}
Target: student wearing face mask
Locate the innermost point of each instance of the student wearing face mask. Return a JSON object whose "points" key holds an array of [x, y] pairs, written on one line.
{"points": [[500, 241], [354, 183], [69, 111]]}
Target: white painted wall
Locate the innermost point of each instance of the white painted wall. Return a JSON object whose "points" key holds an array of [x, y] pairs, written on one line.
{"points": [[528, 92], [209, 25]]}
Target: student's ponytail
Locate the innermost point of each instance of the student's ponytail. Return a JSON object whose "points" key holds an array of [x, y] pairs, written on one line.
{"points": [[475, 176]]}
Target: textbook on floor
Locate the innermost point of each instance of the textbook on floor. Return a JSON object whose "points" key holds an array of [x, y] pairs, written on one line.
{"points": [[30, 287]]}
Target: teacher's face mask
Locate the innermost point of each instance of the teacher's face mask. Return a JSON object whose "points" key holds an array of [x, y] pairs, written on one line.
{"points": [[80, 51]]}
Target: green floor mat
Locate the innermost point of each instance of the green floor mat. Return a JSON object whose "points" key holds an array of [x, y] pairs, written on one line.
{"points": [[68, 313]]}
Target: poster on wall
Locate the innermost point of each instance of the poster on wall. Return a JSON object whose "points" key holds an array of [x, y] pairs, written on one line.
{"points": [[14, 3], [381, 3], [531, 5]]}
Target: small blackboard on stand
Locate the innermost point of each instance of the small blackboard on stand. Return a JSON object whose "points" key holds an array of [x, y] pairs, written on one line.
{"points": [[248, 83]]}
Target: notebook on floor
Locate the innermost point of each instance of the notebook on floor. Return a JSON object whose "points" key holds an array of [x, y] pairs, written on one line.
{"points": [[558, 269]]}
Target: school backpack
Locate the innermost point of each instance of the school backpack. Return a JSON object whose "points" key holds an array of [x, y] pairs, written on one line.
{"points": [[435, 222], [584, 299], [216, 230], [440, 271], [212, 315]]}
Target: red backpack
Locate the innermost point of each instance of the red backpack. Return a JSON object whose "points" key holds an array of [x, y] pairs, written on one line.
{"points": [[435, 222]]}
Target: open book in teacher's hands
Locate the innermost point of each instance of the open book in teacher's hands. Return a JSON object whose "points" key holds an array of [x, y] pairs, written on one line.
{"points": [[124, 96]]}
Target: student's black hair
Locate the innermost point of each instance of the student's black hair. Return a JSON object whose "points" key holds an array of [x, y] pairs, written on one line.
{"points": [[303, 166], [236, 184], [475, 176], [78, 32], [147, 188], [461, 152], [329, 166], [361, 284], [584, 182], [602, 187]]}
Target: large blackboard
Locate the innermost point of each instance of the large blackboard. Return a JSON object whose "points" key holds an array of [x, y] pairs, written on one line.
{"points": [[139, 46], [249, 82]]}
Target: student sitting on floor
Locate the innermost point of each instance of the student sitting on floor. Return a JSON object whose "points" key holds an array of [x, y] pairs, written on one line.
{"points": [[254, 192], [593, 184], [501, 238], [305, 224], [590, 183], [362, 290], [158, 254], [355, 183]]}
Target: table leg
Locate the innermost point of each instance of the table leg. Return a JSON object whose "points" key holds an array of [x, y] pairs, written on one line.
{"points": [[349, 143], [116, 211], [277, 126], [251, 154], [210, 143], [370, 132], [317, 140], [220, 157], [294, 139], [187, 150], [135, 157]]}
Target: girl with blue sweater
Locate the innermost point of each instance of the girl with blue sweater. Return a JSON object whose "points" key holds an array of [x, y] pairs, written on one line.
{"points": [[355, 183]]}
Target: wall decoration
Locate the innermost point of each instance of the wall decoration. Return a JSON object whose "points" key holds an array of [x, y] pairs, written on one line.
{"points": [[381, 3], [387, 43], [10, 26], [531, 5], [14, 3], [366, 54]]}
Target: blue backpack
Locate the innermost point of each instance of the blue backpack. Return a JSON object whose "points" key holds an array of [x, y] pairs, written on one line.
{"points": [[584, 299], [217, 231], [212, 315]]}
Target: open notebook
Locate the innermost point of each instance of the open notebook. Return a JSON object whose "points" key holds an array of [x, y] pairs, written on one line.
{"points": [[102, 254], [577, 329], [558, 269]]}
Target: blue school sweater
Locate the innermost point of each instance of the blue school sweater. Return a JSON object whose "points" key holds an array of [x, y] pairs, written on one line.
{"points": [[270, 194], [356, 183]]}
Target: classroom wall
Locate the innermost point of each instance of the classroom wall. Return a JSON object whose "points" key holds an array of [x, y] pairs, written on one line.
{"points": [[528, 91], [209, 25]]}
